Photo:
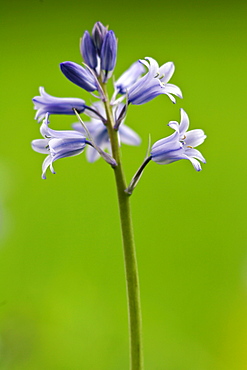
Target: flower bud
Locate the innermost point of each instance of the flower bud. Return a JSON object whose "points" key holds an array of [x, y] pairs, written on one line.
{"points": [[98, 34], [108, 53], [79, 76], [88, 51]]}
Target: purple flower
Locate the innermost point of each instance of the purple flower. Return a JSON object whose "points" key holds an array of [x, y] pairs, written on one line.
{"points": [[99, 133], [57, 144], [179, 145], [153, 83], [80, 76], [47, 103]]}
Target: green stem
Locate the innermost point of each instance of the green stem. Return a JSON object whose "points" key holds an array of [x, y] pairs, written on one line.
{"points": [[133, 290]]}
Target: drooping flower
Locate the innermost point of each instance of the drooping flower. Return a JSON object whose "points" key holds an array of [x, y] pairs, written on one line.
{"points": [[99, 133], [180, 145], [129, 77], [153, 83], [47, 103], [57, 144]]}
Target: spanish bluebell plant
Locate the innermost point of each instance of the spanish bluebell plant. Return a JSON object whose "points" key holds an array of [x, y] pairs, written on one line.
{"points": [[103, 135]]}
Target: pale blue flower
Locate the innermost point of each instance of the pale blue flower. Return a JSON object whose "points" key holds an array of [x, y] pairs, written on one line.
{"points": [[47, 103], [153, 83], [129, 77], [180, 145], [57, 144], [99, 133]]}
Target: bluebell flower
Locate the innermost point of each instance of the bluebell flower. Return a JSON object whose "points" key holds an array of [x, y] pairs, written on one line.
{"points": [[180, 145], [129, 77], [80, 76], [89, 51], [153, 83], [47, 103], [108, 54], [57, 144], [99, 133]]}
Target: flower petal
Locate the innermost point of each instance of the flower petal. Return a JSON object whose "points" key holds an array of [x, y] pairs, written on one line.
{"points": [[128, 136], [195, 137], [184, 123], [167, 71], [195, 154], [40, 146]]}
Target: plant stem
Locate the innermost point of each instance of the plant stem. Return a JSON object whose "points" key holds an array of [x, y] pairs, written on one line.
{"points": [[131, 271]]}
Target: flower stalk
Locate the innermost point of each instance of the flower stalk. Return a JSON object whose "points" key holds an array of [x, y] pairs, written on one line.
{"points": [[131, 269]]}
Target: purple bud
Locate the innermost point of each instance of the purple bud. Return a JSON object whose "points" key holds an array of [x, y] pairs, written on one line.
{"points": [[79, 76], [98, 34], [88, 50], [109, 52]]}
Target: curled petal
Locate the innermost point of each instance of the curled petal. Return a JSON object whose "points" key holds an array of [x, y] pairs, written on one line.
{"points": [[173, 89], [167, 71], [47, 162], [184, 123], [40, 146], [195, 154]]}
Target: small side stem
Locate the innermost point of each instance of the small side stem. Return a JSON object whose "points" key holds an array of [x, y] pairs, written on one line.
{"points": [[131, 270]]}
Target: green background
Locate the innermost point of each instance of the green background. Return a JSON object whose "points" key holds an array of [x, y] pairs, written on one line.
{"points": [[62, 287]]}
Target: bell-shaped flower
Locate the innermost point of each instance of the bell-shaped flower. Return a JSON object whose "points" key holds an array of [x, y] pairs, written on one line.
{"points": [[57, 144], [80, 76], [153, 83], [47, 103], [180, 145], [99, 134], [128, 78]]}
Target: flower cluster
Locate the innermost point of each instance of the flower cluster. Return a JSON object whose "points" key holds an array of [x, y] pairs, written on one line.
{"points": [[140, 83]]}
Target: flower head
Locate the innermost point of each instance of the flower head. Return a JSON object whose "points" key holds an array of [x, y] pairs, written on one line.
{"points": [[153, 83], [99, 133], [47, 103], [57, 144], [180, 145]]}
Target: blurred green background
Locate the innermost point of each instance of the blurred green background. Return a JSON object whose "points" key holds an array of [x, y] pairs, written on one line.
{"points": [[62, 287]]}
